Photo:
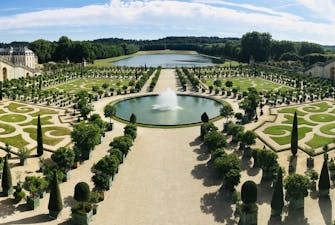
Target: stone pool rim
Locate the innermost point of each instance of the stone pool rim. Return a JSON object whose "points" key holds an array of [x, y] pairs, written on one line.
{"points": [[222, 102]]}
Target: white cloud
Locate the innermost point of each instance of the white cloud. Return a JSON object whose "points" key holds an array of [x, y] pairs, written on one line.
{"points": [[321, 8], [210, 17]]}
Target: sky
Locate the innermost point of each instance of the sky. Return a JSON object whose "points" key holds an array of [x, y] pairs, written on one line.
{"points": [[296, 20]]}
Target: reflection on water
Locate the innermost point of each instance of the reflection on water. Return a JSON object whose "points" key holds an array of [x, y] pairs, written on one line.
{"points": [[166, 60], [192, 108]]}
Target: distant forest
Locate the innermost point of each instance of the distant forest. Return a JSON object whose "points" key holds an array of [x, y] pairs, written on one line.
{"points": [[260, 46]]}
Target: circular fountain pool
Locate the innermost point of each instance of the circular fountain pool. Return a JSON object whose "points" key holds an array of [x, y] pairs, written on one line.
{"points": [[167, 109]]}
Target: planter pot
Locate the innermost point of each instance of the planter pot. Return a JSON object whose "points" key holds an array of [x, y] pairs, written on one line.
{"points": [[7, 192], [33, 203], [310, 162], [42, 194], [86, 155], [324, 193], [276, 212], [23, 162], [297, 203], [248, 218], [95, 209], [75, 164], [54, 214], [79, 218]]}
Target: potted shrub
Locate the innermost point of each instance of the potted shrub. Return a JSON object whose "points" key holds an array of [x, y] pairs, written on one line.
{"points": [[55, 205], [277, 201], [64, 158], [331, 167], [313, 176], [35, 185], [248, 210], [82, 212], [6, 181], [310, 159], [23, 154], [19, 193], [296, 186]]}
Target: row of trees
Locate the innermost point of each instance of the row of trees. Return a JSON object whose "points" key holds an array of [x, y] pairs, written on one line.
{"points": [[259, 45]]}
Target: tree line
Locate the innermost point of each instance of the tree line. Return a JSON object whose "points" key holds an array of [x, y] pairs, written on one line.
{"points": [[260, 46]]}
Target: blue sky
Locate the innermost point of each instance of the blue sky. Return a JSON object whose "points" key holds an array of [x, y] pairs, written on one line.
{"points": [[299, 20]]}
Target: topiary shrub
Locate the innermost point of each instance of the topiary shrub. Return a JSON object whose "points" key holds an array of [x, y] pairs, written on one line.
{"points": [[6, 181], [132, 118], [249, 192], [204, 118], [55, 201], [81, 192]]}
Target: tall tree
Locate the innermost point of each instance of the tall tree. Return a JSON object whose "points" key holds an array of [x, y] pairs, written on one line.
{"points": [[257, 45], [39, 137], [110, 111], [55, 201], [6, 182], [294, 135], [277, 201], [324, 183]]}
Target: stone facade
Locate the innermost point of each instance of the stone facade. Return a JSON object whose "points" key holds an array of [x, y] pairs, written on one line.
{"points": [[19, 56], [10, 71], [325, 70]]}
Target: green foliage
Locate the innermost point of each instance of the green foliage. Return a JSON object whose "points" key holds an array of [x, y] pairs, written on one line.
{"points": [[35, 185], [23, 153], [110, 111], [130, 130], [217, 153], [249, 138], [257, 45], [206, 128], [294, 135], [19, 193], [85, 136], [107, 165], [226, 111], [123, 143], [132, 118], [6, 182], [324, 182], [96, 119], [55, 200], [228, 166], [249, 192], [277, 201], [81, 192], [117, 153], [296, 186], [64, 158], [265, 159], [214, 140], [39, 137], [204, 118]]}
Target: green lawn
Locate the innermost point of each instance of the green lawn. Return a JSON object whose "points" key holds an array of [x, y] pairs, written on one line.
{"points": [[16, 141], [292, 110], [7, 129], [328, 129], [301, 120], [44, 121], [322, 117], [319, 141], [244, 83], [56, 131], [44, 111], [86, 84], [318, 107], [281, 130], [19, 108], [13, 118]]}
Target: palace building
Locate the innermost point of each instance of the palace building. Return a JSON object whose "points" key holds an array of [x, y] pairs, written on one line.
{"points": [[16, 62], [322, 69]]}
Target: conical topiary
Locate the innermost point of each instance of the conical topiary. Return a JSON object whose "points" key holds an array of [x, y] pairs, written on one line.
{"points": [[55, 201], [6, 183], [39, 137], [277, 201], [324, 182], [204, 117], [294, 135]]}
